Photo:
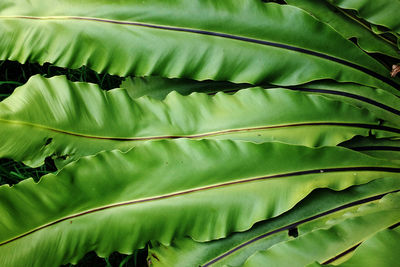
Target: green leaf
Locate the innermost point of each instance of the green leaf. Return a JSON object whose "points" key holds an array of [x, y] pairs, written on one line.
{"points": [[246, 42], [379, 12], [334, 240], [53, 117], [236, 248], [10, 82], [159, 87], [379, 102], [162, 190], [380, 148], [383, 104], [382, 250], [348, 26]]}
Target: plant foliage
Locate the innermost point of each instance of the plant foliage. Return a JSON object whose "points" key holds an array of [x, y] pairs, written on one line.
{"points": [[244, 133]]}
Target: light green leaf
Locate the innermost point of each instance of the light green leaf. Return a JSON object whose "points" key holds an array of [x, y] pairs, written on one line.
{"points": [[236, 248], [381, 250], [379, 12], [162, 190], [348, 26], [242, 41], [383, 104], [334, 240], [54, 117]]}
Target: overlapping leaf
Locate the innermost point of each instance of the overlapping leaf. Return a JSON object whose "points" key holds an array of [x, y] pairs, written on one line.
{"points": [[250, 42], [332, 242], [381, 103], [159, 87], [165, 189], [54, 117], [349, 27], [378, 101], [201, 189], [320, 206], [379, 250], [379, 12], [381, 148]]}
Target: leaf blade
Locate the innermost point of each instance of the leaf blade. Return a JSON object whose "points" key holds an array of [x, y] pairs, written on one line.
{"points": [[349, 27], [323, 244], [53, 117], [378, 101], [381, 12], [90, 190], [236, 248], [382, 245], [278, 56]]}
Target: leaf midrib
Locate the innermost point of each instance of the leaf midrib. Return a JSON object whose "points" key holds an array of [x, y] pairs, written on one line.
{"points": [[209, 187], [217, 34], [344, 253], [350, 95], [295, 224], [362, 24], [208, 134], [328, 92]]}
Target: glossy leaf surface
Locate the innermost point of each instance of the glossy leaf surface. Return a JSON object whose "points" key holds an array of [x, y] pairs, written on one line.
{"points": [[243, 42], [321, 205], [379, 12], [379, 250], [378, 101], [325, 245], [204, 189], [348, 26], [53, 117]]}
